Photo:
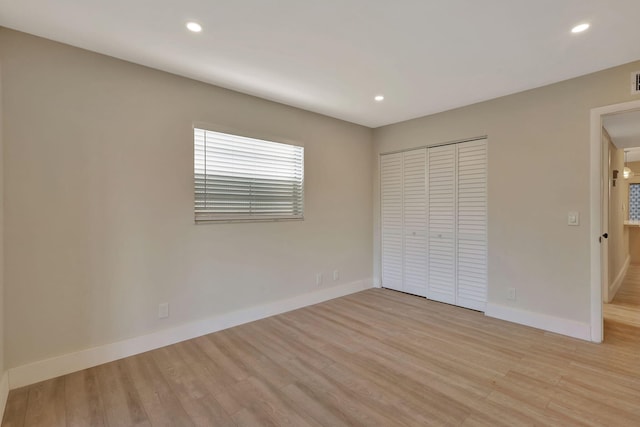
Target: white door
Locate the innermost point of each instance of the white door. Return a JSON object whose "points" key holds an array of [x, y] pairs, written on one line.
{"points": [[415, 222], [434, 223], [391, 218], [471, 290], [442, 224]]}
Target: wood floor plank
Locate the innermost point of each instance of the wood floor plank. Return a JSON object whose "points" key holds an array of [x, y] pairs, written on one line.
{"points": [[161, 405], [355, 407], [283, 347], [266, 404], [258, 363], [119, 396], [322, 411], [209, 345], [402, 404], [624, 307], [16, 408], [211, 375], [529, 414], [46, 404], [375, 358], [528, 390], [187, 385], [246, 418], [83, 402]]}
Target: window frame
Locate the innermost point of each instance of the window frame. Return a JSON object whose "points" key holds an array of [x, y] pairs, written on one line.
{"points": [[251, 135], [629, 201]]}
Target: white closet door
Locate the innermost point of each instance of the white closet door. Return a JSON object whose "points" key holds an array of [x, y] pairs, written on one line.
{"points": [[442, 224], [415, 222], [472, 225], [391, 218]]}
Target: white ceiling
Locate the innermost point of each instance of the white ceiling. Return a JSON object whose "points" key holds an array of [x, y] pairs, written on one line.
{"points": [[624, 129], [333, 56], [632, 155]]}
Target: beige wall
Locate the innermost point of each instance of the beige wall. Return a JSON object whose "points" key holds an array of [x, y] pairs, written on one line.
{"points": [[635, 167], [539, 143], [618, 213], [634, 245], [99, 202]]}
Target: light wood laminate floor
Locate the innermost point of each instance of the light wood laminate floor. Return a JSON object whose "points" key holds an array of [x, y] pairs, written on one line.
{"points": [[376, 358], [625, 307]]}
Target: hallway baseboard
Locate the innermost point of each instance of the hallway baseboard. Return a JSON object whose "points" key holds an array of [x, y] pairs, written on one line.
{"points": [[615, 286]]}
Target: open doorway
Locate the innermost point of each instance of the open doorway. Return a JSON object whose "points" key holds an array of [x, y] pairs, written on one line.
{"points": [[614, 130], [621, 285]]}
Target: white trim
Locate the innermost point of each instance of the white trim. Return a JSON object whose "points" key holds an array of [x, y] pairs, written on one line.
{"points": [[595, 177], [247, 133], [72, 362], [4, 392], [615, 286], [546, 322], [605, 202]]}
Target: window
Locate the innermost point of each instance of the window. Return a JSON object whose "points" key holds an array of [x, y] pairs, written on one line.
{"points": [[245, 179], [634, 202]]}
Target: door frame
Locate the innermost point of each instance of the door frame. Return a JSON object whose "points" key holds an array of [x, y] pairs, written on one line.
{"points": [[599, 192]]}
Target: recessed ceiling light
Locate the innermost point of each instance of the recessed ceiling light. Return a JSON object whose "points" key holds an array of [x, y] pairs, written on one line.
{"points": [[580, 28], [379, 98], [194, 26]]}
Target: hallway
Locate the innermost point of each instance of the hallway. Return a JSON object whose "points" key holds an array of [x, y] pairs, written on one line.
{"points": [[623, 313]]}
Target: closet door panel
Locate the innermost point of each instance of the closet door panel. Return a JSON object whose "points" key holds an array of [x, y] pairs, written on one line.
{"points": [[392, 220], [442, 224], [415, 222], [472, 225]]}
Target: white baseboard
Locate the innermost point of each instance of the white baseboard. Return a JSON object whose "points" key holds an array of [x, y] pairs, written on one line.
{"points": [[4, 392], [615, 286], [545, 322], [72, 362]]}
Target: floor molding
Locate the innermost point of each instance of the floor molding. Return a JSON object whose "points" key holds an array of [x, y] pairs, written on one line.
{"points": [[615, 286], [4, 392], [545, 322], [72, 362]]}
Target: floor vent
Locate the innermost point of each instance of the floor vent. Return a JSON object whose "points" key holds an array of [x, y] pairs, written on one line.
{"points": [[635, 83]]}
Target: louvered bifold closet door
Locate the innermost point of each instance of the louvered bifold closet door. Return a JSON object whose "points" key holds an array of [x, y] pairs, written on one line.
{"points": [[415, 222], [472, 225], [391, 204], [442, 223]]}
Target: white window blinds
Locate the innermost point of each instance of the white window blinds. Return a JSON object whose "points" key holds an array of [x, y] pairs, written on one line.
{"points": [[240, 178]]}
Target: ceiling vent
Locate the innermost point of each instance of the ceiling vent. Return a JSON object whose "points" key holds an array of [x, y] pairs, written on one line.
{"points": [[635, 83]]}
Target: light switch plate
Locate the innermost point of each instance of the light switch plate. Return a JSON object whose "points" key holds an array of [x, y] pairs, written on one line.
{"points": [[573, 218]]}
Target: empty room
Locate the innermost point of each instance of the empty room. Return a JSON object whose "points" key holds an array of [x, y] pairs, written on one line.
{"points": [[319, 213]]}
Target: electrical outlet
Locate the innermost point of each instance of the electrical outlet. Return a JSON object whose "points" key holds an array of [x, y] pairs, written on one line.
{"points": [[511, 294], [573, 218], [319, 279], [336, 275], [163, 310]]}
